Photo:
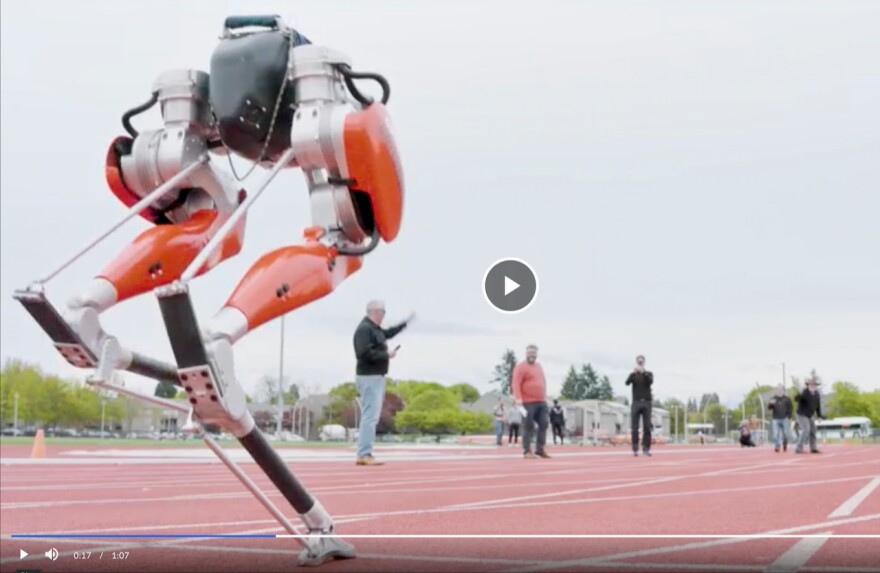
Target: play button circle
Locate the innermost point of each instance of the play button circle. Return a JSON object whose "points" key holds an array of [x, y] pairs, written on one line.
{"points": [[510, 285]]}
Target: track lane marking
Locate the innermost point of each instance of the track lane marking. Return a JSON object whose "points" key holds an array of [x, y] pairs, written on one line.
{"points": [[592, 561], [850, 505], [797, 555]]}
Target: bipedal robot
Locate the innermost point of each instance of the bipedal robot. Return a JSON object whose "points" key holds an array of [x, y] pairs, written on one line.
{"points": [[282, 102]]}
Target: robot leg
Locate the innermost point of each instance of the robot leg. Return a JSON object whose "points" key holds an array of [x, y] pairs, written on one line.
{"points": [[156, 257], [279, 282]]}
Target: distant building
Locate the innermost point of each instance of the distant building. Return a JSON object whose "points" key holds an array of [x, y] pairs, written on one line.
{"points": [[303, 418], [308, 414], [149, 418], [486, 403], [607, 418]]}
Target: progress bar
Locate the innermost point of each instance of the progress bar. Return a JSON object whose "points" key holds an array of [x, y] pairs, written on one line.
{"points": [[440, 536], [144, 536]]}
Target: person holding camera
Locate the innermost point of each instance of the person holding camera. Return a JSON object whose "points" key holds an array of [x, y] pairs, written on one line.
{"points": [[641, 380], [373, 357]]}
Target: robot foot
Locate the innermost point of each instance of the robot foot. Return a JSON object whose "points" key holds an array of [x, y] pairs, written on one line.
{"points": [[66, 339], [322, 548], [74, 348]]}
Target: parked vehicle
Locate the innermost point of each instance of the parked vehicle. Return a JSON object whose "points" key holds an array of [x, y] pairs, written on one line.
{"points": [[332, 433]]}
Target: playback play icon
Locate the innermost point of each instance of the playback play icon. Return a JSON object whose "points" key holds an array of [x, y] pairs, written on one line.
{"points": [[510, 285]]}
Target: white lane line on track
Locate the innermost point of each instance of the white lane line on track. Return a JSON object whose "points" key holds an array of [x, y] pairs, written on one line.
{"points": [[502, 561], [562, 493], [798, 555], [183, 544], [377, 488], [588, 490], [600, 561], [129, 458], [850, 505], [377, 482], [222, 476], [374, 486], [442, 509], [445, 509], [378, 479], [184, 527]]}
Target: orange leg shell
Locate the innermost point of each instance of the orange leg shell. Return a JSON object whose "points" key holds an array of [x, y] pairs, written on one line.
{"points": [[159, 255], [288, 278]]}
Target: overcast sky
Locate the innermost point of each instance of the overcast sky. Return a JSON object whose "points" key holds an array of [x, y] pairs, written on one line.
{"points": [[694, 181]]}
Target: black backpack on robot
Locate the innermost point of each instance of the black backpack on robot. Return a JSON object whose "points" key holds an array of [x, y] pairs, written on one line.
{"points": [[247, 72]]}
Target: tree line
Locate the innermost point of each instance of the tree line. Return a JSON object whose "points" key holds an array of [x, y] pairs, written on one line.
{"points": [[409, 406], [53, 402], [843, 399], [413, 406]]}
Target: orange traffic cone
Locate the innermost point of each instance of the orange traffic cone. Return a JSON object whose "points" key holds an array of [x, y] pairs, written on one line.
{"points": [[39, 449]]}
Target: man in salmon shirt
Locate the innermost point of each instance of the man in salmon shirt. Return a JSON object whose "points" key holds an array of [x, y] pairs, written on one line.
{"points": [[530, 392]]}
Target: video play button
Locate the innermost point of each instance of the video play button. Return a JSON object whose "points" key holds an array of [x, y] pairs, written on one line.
{"points": [[510, 285]]}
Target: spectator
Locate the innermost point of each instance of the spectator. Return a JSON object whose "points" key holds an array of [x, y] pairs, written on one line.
{"points": [[745, 435], [781, 407], [557, 421], [499, 421], [809, 408], [514, 421], [530, 391], [641, 380], [373, 356]]}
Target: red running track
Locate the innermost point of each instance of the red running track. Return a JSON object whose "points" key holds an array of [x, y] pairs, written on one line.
{"points": [[487, 491]]}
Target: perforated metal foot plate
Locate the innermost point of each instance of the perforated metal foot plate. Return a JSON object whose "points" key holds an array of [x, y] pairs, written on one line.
{"points": [[76, 354], [202, 391], [66, 340]]}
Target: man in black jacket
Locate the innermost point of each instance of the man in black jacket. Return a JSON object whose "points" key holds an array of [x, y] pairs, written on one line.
{"points": [[780, 405], [641, 381], [557, 420], [809, 407], [373, 357]]}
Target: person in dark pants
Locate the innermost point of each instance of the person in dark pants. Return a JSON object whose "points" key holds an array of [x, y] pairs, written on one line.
{"points": [[781, 407], [557, 421], [514, 421], [745, 435], [809, 407], [530, 391], [641, 381]]}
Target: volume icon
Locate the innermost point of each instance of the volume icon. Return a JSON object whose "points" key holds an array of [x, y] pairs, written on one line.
{"points": [[52, 554]]}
